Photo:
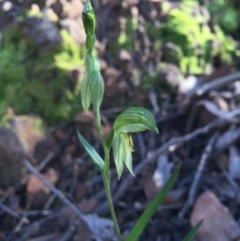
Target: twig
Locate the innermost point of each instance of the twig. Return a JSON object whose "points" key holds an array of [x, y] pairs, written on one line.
{"points": [[227, 139], [47, 237], [69, 233], [36, 212], [55, 191], [18, 227], [34, 227], [56, 150], [49, 202], [9, 211], [44, 161], [229, 178], [215, 84], [193, 188]]}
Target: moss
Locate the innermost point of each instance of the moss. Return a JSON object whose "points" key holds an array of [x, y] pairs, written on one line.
{"points": [[128, 27], [193, 38], [225, 14], [36, 81]]}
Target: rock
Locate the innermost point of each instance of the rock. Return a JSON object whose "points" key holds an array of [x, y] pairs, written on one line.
{"points": [[37, 192], [12, 155], [41, 31], [66, 9], [19, 142], [218, 224], [29, 130], [125, 55], [56, 6], [73, 9], [75, 29], [170, 75]]}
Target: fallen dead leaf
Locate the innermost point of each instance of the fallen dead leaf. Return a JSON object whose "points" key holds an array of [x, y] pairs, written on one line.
{"points": [[88, 205], [218, 223], [80, 190], [150, 189], [35, 186]]}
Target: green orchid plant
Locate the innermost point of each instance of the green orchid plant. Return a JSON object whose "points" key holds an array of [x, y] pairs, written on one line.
{"points": [[132, 120]]}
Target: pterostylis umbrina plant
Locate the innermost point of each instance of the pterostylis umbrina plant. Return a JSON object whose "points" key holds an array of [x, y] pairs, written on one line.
{"points": [[132, 120]]}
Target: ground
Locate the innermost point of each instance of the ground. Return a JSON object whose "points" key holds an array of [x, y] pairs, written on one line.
{"points": [[178, 59]]}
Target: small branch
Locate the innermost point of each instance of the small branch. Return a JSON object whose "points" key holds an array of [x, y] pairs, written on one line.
{"points": [[215, 84], [55, 151], [9, 211], [69, 233], [193, 188], [55, 191]]}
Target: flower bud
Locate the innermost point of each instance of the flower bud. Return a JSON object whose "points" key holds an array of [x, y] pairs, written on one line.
{"points": [[122, 152], [89, 19]]}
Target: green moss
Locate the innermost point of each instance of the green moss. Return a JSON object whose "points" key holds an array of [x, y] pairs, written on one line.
{"points": [[35, 81], [193, 38], [128, 28], [225, 14]]}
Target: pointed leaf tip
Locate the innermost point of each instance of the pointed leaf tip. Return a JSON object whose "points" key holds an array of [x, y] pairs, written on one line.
{"points": [[97, 160], [193, 231]]}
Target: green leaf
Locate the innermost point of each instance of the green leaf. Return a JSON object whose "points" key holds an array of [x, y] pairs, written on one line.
{"points": [[97, 89], [85, 93], [89, 19], [135, 119], [118, 152], [152, 207], [193, 232], [94, 64], [110, 139], [127, 158], [97, 160]]}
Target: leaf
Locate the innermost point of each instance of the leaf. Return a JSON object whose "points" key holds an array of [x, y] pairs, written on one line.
{"points": [[152, 207], [118, 152], [97, 89], [85, 93], [127, 156], [97, 160], [135, 119], [94, 64], [110, 139], [193, 232]]}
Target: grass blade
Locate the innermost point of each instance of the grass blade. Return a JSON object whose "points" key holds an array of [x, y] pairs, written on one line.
{"points": [[193, 232], [152, 207]]}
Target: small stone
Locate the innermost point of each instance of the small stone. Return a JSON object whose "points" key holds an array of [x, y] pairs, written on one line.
{"points": [[218, 224]]}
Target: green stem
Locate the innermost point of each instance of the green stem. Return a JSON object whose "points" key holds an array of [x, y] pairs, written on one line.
{"points": [[105, 174], [103, 142], [111, 207]]}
